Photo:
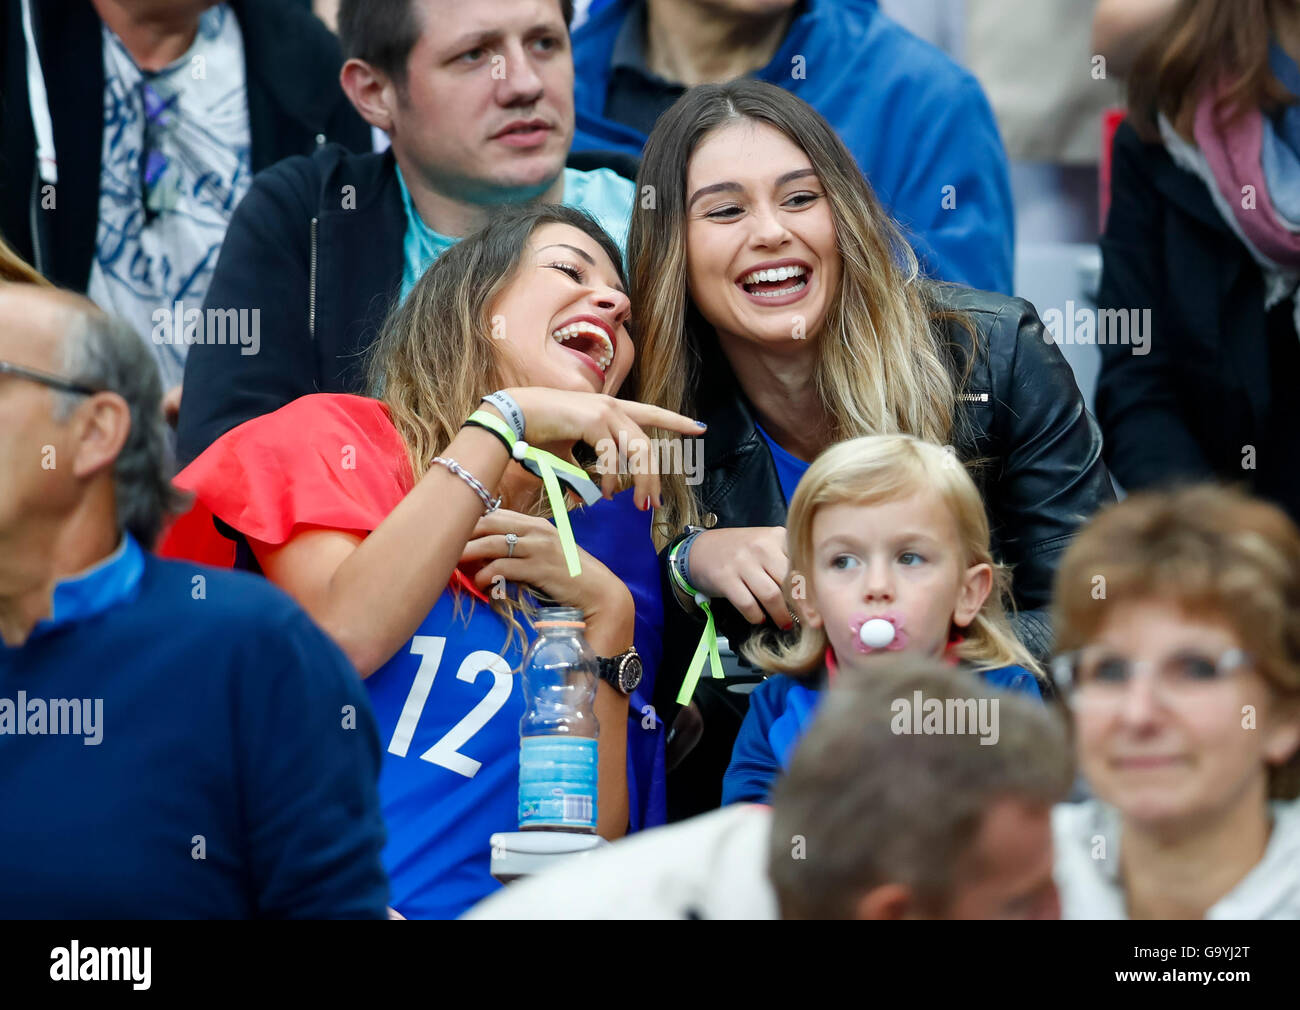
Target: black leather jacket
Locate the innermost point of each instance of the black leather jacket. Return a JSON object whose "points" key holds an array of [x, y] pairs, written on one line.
{"points": [[1042, 473]]}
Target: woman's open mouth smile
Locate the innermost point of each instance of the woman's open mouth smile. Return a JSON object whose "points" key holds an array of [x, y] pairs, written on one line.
{"points": [[781, 282], [591, 340]]}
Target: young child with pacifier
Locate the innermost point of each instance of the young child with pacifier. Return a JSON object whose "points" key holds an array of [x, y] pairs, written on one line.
{"points": [[889, 552]]}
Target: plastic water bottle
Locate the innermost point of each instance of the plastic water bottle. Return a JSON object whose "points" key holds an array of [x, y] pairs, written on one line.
{"points": [[557, 752]]}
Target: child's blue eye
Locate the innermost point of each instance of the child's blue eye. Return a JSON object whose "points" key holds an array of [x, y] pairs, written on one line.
{"points": [[911, 558], [842, 561]]}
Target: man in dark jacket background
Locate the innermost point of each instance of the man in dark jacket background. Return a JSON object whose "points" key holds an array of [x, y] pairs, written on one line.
{"points": [[130, 137], [477, 101]]}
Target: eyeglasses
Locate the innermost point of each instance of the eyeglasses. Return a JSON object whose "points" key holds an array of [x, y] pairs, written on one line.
{"points": [[1097, 675], [46, 379]]}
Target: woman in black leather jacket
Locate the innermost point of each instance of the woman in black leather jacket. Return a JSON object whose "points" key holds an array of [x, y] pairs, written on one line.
{"points": [[837, 336]]}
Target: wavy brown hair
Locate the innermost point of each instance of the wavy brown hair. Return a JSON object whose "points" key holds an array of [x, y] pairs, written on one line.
{"points": [[1212, 550], [1202, 42], [881, 368], [436, 356]]}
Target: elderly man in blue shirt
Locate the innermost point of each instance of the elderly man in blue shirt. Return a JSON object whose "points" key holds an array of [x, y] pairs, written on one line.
{"points": [[919, 125], [175, 741]]}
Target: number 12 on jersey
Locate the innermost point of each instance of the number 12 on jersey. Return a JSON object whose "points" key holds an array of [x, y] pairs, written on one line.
{"points": [[446, 752]]}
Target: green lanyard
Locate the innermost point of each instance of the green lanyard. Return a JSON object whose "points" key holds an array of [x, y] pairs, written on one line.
{"points": [[553, 471], [708, 646]]}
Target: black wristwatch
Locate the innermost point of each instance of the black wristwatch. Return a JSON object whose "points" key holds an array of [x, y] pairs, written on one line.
{"points": [[622, 672]]}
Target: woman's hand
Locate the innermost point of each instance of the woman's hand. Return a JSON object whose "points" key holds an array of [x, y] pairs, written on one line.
{"points": [[610, 614], [538, 561], [746, 566], [604, 423]]}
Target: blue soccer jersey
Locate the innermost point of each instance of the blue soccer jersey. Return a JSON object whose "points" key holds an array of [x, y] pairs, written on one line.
{"points": [[449, 702], [448, 705]]}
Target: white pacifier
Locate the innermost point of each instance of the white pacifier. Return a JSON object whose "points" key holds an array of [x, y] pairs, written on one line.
{"points": [[876, 633]]}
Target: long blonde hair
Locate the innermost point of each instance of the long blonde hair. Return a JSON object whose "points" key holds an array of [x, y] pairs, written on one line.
{"points": [[436, 356], [882, 366], [870, 471]]}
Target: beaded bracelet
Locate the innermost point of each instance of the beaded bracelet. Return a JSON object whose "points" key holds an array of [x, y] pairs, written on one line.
{"points": [[490, 504]]}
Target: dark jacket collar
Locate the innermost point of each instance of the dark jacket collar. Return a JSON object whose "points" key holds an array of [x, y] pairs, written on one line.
{"points": [[359, 258], [734, 451], [1180, 187]]}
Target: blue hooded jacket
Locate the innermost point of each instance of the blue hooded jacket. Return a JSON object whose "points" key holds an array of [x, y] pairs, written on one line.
{"points": [[919, 126]]}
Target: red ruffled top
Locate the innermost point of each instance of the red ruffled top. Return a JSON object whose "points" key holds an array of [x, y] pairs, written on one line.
{"points": [[326, 461]]}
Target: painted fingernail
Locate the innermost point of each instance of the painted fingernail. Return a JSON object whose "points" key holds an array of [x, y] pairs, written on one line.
{"points": [[700, 424]]}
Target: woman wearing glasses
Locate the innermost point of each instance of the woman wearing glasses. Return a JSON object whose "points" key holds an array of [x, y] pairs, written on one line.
{"points": [[1179, 617]]}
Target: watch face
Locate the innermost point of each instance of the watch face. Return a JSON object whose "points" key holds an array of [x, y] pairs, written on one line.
{"points": [[629, 673]]}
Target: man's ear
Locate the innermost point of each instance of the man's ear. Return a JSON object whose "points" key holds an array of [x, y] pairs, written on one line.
{"points": [[976, 584], [100, 429], [372, 92], [889, 902]]}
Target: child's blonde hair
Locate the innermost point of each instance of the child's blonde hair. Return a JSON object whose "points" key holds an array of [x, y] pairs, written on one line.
{"points": [[869, 471]]}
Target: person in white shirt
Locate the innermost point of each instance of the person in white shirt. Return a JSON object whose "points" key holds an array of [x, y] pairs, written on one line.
{"points": [[1178, 617], [875, 819]]}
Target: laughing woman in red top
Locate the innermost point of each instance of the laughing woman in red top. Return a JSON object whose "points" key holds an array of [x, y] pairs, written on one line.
{"points": [[365, 510]]}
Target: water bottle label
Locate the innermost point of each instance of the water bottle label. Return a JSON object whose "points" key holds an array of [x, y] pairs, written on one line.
{"points": [[557, 782]]}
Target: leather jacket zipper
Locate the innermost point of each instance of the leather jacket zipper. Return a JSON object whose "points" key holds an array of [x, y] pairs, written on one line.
{"points": [[311, 307]]}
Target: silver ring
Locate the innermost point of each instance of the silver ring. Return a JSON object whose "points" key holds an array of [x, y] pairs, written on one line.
{"points": [[511, 540]]}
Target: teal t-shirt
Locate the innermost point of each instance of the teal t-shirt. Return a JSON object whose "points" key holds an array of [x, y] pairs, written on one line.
{"points": [[603, 194]]}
